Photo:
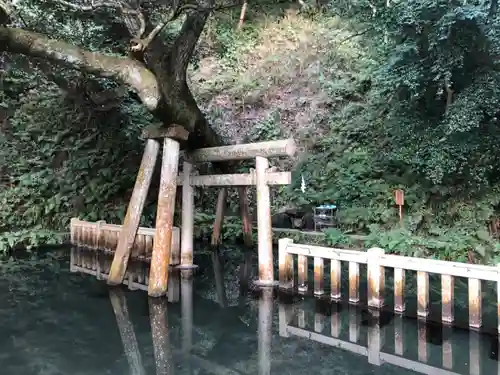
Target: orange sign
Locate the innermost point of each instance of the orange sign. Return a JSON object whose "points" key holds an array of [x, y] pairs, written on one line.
{"points": [[399, 196]]}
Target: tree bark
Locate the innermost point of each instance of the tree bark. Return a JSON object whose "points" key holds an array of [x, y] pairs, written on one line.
{"points": [[159, 80]]}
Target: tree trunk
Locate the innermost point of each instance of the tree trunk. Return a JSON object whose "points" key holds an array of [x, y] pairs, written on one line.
{"points": [[158, 77]]}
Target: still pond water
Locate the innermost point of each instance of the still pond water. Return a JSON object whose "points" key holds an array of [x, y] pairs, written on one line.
{"points": [[55, 322]]}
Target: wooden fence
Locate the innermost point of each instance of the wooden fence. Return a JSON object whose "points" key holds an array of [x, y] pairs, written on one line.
{"points": [[376, 261], [102, 236]]}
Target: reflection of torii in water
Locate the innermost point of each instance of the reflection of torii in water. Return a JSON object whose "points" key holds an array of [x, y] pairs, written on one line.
{"points": [[159, 328]]}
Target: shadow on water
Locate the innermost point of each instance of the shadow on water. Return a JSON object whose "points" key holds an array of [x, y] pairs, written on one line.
{"points": [[56, 322]]}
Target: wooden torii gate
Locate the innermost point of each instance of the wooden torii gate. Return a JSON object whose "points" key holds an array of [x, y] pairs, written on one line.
{"points": [[262, 178]]}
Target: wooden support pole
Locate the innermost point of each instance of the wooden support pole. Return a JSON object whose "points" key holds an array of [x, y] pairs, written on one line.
{"points": [[264, 230], [187, 229], [126, 329], [162, 242], [245, 216], [219, 217], [134, 212]]}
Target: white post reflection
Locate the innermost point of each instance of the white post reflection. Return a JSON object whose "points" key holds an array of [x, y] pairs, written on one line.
{"points": [[422, 341], [474, 353], [447, 347], [159, 331], [354, 326], [187, 317], [284, 319], [127, 333], [398, 335], [374, 339], [265, 330]]}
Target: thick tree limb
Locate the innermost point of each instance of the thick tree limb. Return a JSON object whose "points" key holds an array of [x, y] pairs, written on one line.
{"points": [[129, 71]]}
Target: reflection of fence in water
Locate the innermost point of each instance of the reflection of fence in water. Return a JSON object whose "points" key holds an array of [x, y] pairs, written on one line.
{"points": [[98, 264], [377, 335]]}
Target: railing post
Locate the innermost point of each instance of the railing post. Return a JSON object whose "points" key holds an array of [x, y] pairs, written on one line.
{"points": [[475, 304], [376, 278], [264, 230], [399, 290], [286, 274], [98, 233], [447, 299], [319, 276]]}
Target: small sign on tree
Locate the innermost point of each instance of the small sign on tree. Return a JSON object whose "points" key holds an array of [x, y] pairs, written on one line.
{"points": [[399, 196]]}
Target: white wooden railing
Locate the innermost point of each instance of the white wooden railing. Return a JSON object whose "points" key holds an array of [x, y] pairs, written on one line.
{"points": [[376, 261]]}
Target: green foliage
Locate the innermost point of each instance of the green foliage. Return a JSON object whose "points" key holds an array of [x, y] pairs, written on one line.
{"points": [[334, 237], [61, 162], [450, 244]]}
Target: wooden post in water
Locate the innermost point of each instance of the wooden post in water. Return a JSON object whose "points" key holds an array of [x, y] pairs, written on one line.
{"points": [[187, 229], [219, 217], [245, 216], [162, 242], [134, 212], [265, 244]]}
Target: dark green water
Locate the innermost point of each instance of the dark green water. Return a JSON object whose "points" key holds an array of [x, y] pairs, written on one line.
{"points": [[55, 322]]}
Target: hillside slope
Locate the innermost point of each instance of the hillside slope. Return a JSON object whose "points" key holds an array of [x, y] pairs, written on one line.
{"points": [[276, 81]]}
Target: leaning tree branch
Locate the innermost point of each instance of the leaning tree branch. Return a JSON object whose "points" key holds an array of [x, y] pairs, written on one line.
{"points": [[124, 8], [124, 69]]}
